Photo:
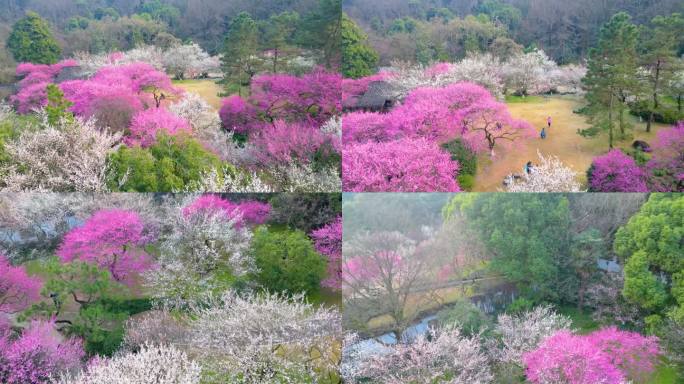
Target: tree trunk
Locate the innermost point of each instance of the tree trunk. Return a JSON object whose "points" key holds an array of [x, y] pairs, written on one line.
{"points": [[610, 121], [581, 292], [655, 97]]}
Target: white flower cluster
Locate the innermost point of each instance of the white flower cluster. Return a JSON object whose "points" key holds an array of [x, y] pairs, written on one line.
{"points": [[68, 157]]}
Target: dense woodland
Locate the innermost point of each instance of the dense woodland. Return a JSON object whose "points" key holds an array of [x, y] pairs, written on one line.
{"points": [[512, 288], [565, 30]]}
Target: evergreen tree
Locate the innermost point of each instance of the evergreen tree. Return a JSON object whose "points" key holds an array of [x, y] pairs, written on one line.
{"points": [[31, 41], [358, 58], [612, 74], [240, 59], [321, 30], [659, 46], [277, 34]]}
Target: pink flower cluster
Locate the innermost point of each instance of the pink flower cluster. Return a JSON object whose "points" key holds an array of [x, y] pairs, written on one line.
{"points": [[111, 239], [32, 87], [608, 356], [17, 289], [616, 172], [364, 268], [147, 124], [282, 143], [312, 98], [328, 242], [119, 96], [406, 165], [38, 355], [666, 167], [251, 212], [427, 118]]}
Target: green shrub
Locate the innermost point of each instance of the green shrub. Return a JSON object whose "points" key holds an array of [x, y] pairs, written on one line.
{"points": [[287, 261], [466, 182], [467, 159], [520, 305], [171, 164], [466, 316]]}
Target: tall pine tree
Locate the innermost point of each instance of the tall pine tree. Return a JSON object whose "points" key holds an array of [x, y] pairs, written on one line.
{"points": [[240, 51], [612, 75]]}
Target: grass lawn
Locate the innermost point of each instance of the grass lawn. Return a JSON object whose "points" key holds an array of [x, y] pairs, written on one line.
{"points": [[581, 321], [523, 99], [665, 374], [562, 140], [207, 88]]}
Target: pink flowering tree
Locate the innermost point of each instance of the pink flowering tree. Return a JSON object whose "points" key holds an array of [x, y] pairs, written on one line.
{"points": [[406, 165], [38, 355], [616, 172], [328, 242], [147, 124], [284, 143], [239, 116], [111, 239], [362, 127], [608, 356], [382, 269], [17, 289], [487, 123], [32, 92], [666, 167], [435, 113], [312, 97], [250, 212]]}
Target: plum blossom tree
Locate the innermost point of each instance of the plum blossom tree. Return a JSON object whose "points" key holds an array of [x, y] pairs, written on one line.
{"points": [[383, 269], [148, 123], [405, 165], [439, 357], [666, 167], [239, 116], [250, 212], [616, 172], [112, 239], [68, 157], [149, 365], [266, 338], [362, 127], [188, 60], [527, 73], [17, 289], [313, 97], [301, 143], [488, 123], [550, 175], [32, 87], [328, 242], [205, 254], [524, 332], [605, 356], [37, 355]]}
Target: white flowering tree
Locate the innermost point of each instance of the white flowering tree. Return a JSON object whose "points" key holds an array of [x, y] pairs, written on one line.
{"points": [[188, 60], [149, 365], [550, 175], [439, 357], [266, 338], [527, 73], [204, 253], [524, 332], [67, 157], [483, 69]]}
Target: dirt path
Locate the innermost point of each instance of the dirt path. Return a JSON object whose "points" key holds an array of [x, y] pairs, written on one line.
{"points": [[562, 140]]}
